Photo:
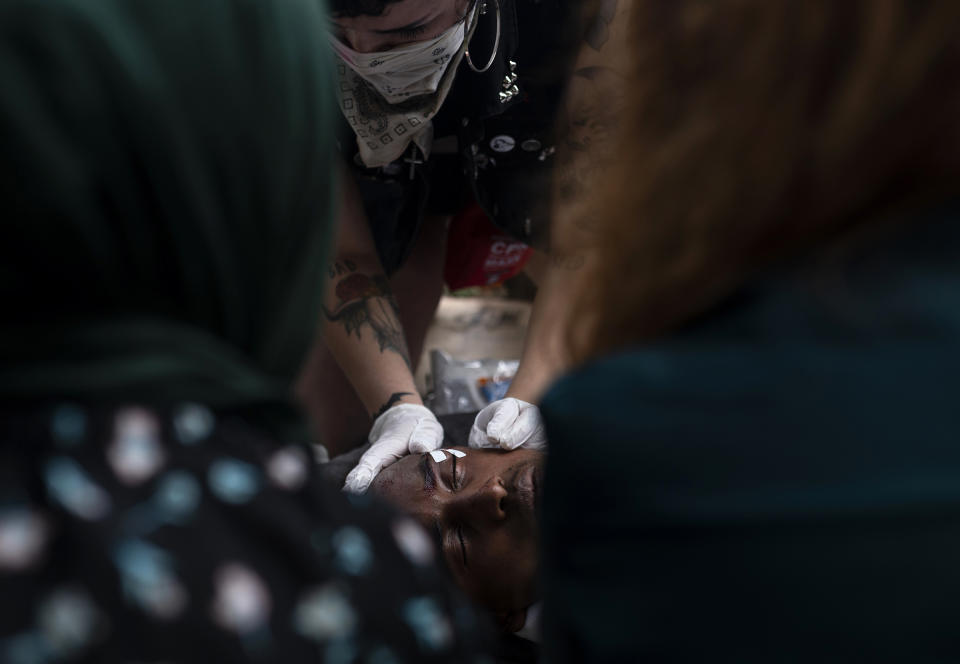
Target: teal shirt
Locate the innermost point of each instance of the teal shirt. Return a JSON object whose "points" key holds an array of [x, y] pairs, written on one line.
{"points": [[780, 481]]}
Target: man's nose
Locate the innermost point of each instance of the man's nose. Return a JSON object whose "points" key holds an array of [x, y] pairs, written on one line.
{"points": [[484, 504], [362, 42]]}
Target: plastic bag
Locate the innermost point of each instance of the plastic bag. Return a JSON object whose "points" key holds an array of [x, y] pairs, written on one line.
{"points": [[466, 386]]}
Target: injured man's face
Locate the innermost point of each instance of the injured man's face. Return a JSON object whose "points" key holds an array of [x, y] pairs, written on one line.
{"points": [[481, 508]]}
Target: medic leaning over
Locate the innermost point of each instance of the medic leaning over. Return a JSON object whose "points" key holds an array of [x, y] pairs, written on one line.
{"points": [[447, 102]]}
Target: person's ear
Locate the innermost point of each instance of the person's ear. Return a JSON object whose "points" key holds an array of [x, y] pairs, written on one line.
{"points": [[511, 621]]}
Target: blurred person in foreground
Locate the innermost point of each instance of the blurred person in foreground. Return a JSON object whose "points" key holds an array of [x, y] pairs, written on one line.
{"points": [[757, 460], [165, 169]]}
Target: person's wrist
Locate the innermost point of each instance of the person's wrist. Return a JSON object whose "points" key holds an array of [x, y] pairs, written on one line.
{"points": [[525, 388], [396, 399]]}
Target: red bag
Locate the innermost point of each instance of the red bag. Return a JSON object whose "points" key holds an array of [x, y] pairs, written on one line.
{"points": [[479, 253]]}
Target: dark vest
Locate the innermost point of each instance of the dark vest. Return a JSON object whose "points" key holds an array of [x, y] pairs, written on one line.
{"points": [[497, 129]]}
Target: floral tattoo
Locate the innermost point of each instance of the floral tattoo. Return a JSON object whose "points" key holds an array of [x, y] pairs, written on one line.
{"points": [[365, 300]]}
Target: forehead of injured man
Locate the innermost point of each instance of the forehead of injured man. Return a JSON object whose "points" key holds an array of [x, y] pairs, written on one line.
{"points": [[481, 508]]}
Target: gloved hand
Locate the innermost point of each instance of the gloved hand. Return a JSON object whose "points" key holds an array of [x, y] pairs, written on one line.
{"points": [[403, 429], [508, 424]]}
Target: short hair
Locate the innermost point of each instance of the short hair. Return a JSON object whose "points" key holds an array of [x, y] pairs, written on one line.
{"points": [[352, 8]]}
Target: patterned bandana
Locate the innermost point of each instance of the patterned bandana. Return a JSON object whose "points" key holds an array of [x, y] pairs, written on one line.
{"points": [[384, 129]]}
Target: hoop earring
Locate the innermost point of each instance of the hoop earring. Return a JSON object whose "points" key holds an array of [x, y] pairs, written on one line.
{"points": [[496, 44]]}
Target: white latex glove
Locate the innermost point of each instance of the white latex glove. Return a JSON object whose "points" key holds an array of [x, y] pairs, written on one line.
{"points": [[403, 429], [508, 424]]}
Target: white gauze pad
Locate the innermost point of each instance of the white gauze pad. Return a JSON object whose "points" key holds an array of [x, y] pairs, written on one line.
{"points": [[457, 453], [438, 456]]}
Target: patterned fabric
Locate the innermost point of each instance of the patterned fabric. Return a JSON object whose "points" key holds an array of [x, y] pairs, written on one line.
{"points": [[385, 128], [141, 535]]}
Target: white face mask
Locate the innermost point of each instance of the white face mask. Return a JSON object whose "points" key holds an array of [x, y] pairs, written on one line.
{"points": [[406, 71]]}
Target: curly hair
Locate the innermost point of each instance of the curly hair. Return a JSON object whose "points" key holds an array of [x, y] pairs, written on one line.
{"points": [[760, 131]]}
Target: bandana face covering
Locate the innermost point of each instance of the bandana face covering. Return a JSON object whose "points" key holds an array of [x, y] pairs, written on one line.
{"points": [[408, 71], [389, 98]]}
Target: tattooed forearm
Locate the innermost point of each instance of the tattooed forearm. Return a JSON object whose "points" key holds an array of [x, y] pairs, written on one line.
{"points": [[591, 114], [598, 31], [391, 402], [569, 262], [365, 300], [594, 100]]}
